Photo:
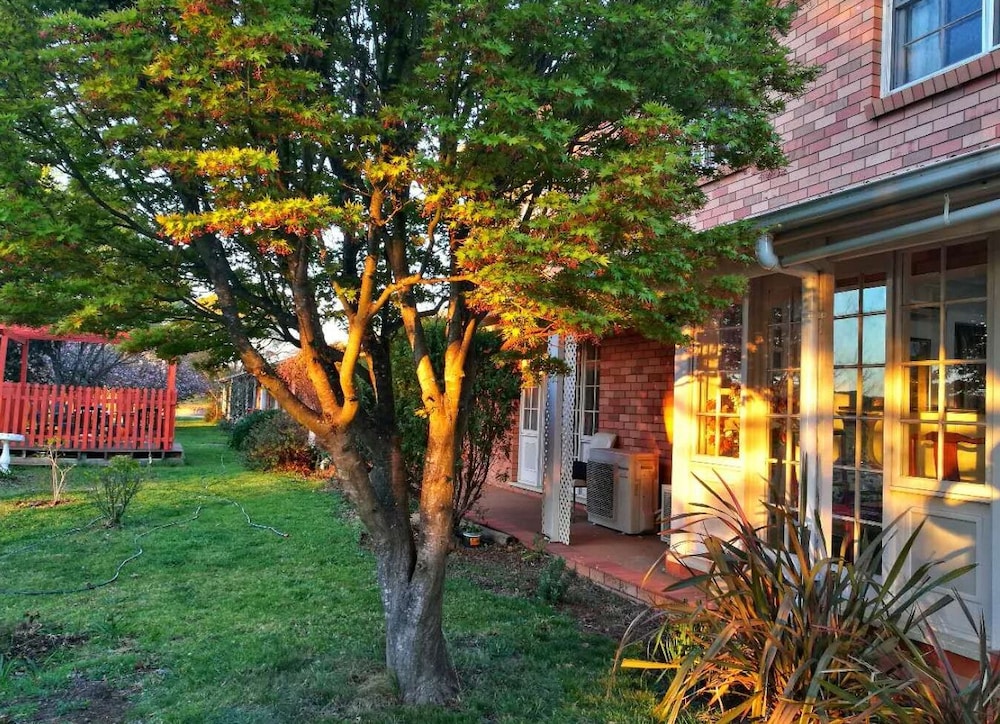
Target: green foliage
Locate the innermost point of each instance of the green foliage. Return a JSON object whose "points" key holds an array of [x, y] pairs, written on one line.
{"points": [[241, 429], [277, 442], [488, 413], [554, 581], [778, 630], [114, 487]]}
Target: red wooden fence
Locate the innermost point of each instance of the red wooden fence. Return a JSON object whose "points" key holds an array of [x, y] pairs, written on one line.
{"points": [[88, 418]]}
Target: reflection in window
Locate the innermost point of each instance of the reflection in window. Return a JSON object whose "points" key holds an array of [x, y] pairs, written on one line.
{"points": [[945, 320], [859, 336], [719, 374], [783, 374]]}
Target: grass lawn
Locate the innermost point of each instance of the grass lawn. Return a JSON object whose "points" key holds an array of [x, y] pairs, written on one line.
{"points": [[220, 621]]}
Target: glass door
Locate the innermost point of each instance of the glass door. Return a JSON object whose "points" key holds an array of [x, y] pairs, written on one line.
{"points": [[859, 358], [782, 375]]}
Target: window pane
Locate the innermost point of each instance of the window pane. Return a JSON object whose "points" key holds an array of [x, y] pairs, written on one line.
{"points": [[924, 331], [871, 497], [925, 276], [845, 302], [923, 389], [963, 454], [707, 436], [874, 298], [845, 341], [843, 492], [924, 17], [955, 9], [873, 383], [923, 451], [732, 316], [872, 340], [845, 387], [871, 444], [965, 325], [847, 443], [965, 387], [963, 40], [923, 58]]}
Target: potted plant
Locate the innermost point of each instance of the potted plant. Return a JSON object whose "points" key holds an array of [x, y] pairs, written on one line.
{"points": [[471, 535]]}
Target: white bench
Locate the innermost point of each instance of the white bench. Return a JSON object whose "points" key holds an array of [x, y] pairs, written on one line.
{"points": [[7, 438]]}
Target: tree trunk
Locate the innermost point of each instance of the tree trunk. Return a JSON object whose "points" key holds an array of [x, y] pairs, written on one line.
{"points": [[416, 652], [410, 573]]}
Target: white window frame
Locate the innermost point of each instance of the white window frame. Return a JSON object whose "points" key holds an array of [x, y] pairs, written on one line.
{"points": [[588, 356], [699, 414], [937, 486], [990, 35]]}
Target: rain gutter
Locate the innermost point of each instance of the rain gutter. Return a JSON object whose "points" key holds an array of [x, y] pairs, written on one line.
{"points": [[938, 178]]}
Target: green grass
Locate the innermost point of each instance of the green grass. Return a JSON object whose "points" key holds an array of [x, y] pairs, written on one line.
{"points": [[220, 621]]}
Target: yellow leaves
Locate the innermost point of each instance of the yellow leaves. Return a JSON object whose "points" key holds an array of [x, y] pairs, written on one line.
{"points": [[391, 172], [222, 163], [244, 161], [269, 218]]}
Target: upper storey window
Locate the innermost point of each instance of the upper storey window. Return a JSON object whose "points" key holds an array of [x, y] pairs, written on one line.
{"points": [[930, 35]]}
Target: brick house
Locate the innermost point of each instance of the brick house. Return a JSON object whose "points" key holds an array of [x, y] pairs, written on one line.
{"points": [[856, 379]]}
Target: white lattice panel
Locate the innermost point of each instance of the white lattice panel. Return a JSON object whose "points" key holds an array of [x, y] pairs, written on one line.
{"points": [[567, 434]]}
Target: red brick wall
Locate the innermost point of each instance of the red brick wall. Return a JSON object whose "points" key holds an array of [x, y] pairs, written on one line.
{"points": [[843, 132], [636, 399], [636, 395]]}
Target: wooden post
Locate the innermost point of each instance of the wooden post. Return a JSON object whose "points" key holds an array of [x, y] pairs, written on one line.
{"points": [[3, 355], [24, 361]]}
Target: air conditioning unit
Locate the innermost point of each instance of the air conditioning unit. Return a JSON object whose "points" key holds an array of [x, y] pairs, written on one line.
{"points": [[621, 489]]}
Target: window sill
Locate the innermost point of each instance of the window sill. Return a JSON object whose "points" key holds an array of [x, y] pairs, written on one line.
{"points": [[953, 78], [972, 492], [717, 460]]}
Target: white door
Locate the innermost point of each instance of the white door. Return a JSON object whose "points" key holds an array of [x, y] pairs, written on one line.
{"points": [[529, 451]]}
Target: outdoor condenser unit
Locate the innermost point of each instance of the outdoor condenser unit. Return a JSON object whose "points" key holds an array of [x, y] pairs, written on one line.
{"points": [[622, 489]]}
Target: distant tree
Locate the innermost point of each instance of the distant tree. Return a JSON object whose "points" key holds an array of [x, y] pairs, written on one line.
{"points": [[375, 163], [90, 364]]}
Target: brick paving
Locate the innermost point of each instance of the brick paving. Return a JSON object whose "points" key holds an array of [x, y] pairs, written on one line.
{"points": [[633, 565]]}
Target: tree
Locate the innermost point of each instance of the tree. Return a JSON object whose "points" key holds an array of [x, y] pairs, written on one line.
{"points": [[377, 162], [495, 387]]}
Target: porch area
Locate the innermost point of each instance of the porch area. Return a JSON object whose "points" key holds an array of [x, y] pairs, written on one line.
{"points": [[632, 565]]}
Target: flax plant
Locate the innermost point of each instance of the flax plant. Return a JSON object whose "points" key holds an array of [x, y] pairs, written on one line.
{"points": [[776, 629], [938, 694]]}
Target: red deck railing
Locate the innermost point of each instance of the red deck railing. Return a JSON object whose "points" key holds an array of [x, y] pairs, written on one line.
{"points": [[88, 418]]}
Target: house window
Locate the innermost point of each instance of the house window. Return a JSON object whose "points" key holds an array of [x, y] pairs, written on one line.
{"points": [[588, 382], [945, 323], [719, 373], [859, 340], [783, 375], [930, 35]]}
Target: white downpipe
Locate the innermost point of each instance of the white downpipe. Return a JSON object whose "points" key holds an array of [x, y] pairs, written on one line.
{"points": [[769, 260]]}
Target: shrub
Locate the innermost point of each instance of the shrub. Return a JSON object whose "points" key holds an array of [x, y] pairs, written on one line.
{"points": [[114, 488], [553, 581], [279, 443], [241, 429], [781, 631]]}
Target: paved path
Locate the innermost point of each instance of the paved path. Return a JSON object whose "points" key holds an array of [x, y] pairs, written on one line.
{"points": [[630, 564]]}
